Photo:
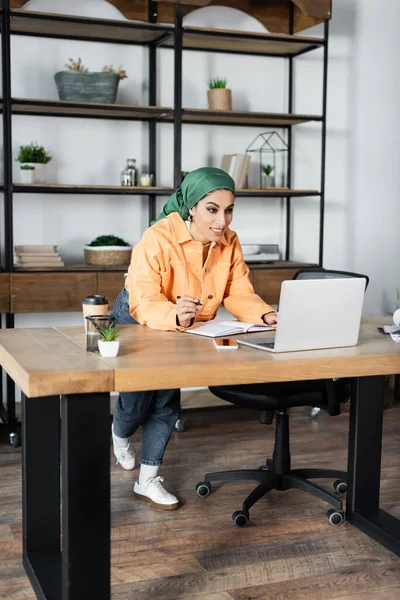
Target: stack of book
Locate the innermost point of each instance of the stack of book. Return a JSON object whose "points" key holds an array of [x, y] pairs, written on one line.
{"points": [[237, 166], [38, 256]]}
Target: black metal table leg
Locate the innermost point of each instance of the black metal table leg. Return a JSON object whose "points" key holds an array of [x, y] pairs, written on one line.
{"points": [[85, 459], [364, 464], [81, 569], [41, 494]]}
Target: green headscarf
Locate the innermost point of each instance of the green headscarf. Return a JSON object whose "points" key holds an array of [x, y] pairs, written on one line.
{"points": [[194, 187]]}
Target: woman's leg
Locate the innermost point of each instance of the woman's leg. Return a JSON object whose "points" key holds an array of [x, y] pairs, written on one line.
{"points": [[157, 412]]}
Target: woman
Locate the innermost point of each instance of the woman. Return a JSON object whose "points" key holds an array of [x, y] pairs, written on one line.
{"points": [[186, 265]]}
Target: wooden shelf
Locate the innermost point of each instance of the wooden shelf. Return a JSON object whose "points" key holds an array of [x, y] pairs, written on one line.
{"points": [[222, 40], [275, 193], [52, 188], [278, 264], [93, 110], [74, 268], [26, 22], [243, 118], [58, 108]]}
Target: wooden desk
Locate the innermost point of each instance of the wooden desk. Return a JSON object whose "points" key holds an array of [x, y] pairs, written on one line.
{"points": [[55, 372]]}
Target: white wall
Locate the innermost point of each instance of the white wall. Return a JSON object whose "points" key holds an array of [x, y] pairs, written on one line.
{"points": [[362, 208]]}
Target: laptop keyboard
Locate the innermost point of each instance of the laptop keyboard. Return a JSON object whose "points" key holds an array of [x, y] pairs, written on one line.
{"points": [[268, 345]]}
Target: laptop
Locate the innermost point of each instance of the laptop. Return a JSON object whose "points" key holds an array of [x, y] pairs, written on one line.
{"points": [[314, 314]]}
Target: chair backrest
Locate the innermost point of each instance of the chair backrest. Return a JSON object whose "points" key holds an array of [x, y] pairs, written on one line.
{"points": [[321, 273]]}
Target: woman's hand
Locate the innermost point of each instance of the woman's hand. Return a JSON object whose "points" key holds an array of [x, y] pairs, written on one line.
{"points": [[271, 319], [187, 308]]}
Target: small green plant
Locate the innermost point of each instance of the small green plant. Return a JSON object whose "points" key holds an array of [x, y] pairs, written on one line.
{"points": [[33, 153], [217, 83], [108, 240], [76, 66], [268, 170], [27, 168], [109, 334]]}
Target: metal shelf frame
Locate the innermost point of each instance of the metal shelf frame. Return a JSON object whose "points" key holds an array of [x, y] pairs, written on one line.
{"points": [[178, 39]]}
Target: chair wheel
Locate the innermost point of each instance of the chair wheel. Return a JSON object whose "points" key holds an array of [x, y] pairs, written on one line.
{"points": [[335, 517], [203, 489], [179, 425], [340, 486], [240, 518], [14, 440]]}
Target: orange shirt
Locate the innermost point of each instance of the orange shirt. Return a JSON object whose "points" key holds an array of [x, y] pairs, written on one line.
{"points": [[167, 263]]}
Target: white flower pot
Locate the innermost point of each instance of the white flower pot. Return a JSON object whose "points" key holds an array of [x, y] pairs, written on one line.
{"points": [[39, 172], [108, 349], [27, 176]]}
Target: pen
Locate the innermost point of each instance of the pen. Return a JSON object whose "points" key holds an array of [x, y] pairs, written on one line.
{"points": [[196, 303]]}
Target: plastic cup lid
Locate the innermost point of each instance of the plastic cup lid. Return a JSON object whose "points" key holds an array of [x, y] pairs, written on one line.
{"points": [[95, 299]]}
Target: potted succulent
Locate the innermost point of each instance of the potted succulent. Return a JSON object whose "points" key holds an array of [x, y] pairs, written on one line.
{"points": [[79, 85], [108, 343], [27, 174], [219, 96], [33, 159], [108, 250], [268, 180]]}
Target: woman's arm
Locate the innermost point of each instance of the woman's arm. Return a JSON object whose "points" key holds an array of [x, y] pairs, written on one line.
{"points": [[146, 302]]}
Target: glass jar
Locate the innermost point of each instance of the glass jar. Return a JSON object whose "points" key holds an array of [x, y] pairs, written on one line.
{"points": [[129, 175]]}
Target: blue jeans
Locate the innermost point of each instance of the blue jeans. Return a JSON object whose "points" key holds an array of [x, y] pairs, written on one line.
{"points": [[156, 411]]}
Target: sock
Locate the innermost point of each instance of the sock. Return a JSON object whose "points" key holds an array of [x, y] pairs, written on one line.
{"points": [[147, 472], [121, 442]]}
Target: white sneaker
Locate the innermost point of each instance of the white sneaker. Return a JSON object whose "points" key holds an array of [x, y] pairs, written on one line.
{"points": [[152, 491], [124, 452]]}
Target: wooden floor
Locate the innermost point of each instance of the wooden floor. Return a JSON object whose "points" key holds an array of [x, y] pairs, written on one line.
{"points": [[289, 551]]}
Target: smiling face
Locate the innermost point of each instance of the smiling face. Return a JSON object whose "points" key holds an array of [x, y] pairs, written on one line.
{"points": [[211, 216]]}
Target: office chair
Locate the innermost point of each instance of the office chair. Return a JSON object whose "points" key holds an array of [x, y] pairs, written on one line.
{"points": [[271, 398]]}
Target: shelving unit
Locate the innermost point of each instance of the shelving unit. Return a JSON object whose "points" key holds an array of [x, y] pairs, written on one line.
{"points": [[46, 288], [179, 39]]}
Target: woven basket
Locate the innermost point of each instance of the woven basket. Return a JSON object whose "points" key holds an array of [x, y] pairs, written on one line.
{"points": [[107, 255], [87, 87]]}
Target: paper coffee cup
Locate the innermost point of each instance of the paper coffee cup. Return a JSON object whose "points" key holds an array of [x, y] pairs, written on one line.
{"points": [[94, 305]]}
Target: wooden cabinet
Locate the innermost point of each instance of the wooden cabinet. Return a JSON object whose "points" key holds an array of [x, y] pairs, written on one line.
{"points": [[63, 291], [267, 281], [50, 292], [4, 292], [110, 285]]}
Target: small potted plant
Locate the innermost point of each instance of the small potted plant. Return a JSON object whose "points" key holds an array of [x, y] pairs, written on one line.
{"points": [[79, 85], [108, 250], [268, 180], [219, 96], [108, 343], [27, 174], [33, 159]]}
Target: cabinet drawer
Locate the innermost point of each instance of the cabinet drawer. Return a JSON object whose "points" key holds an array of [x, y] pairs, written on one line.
{"points": [[50, 292], [4, 293], [110, 285], [267, 282]]}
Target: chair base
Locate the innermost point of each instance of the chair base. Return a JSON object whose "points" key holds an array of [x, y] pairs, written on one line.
{"points": [[270, 480]]}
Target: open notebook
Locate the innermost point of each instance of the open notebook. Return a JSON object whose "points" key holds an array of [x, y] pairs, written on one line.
{"points": [[223, 328]]}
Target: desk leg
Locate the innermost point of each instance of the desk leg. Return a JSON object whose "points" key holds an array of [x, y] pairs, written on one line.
{"points": [[364, 464], [41, 494], [85, 459]]}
